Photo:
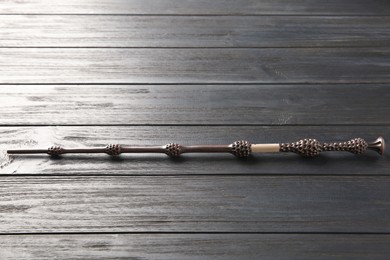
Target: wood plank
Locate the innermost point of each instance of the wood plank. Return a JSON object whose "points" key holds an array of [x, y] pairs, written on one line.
{"points": [[220, 7], [195, 104], [195, 246], [146, 66], [332, 163], [195, 204], [193, 31]]}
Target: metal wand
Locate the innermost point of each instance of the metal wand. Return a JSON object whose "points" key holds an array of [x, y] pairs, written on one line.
{"points": [[304, 147]]}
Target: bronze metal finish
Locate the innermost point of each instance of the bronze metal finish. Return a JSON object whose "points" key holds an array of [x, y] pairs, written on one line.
{"points": [[241, 148], [378, 145], [305, 147], [311, 147]]}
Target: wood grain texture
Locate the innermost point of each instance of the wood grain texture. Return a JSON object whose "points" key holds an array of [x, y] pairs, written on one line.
{"points": [[195, 246], [273, 206], [193, 31], [188, 7], [195, 104], [299, 65], [195, 204], [332, 163]]}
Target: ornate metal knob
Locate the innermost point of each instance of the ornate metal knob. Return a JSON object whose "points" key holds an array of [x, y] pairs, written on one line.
{"points": [[305, 147], [241, 148], [172, 149], [55, 150], [113, 149], [356, 146]]}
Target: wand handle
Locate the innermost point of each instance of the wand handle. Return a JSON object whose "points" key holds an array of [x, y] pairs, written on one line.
{"points": [[304, 147]]}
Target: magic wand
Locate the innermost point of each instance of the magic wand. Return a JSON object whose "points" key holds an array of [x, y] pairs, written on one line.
{"points": [[304, 147]]}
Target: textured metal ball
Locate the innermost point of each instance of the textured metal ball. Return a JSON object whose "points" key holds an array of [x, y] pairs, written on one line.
{"points": [[172, 149], [55, 150], [241, 148], [113, 149], [357, 145], [305, 147]]}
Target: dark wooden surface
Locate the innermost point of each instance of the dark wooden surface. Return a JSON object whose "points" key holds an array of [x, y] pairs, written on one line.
{"points": [[140, 104], [195, 7], [190, 246], [195, 65], [194, 31], [145, 72], [247, 204]]}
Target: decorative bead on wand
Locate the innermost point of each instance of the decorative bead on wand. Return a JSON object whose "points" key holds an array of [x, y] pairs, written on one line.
{"points": [[304, 147]]}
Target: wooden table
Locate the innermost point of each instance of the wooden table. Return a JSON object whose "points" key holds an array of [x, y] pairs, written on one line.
{"points": [[147, 72]]}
